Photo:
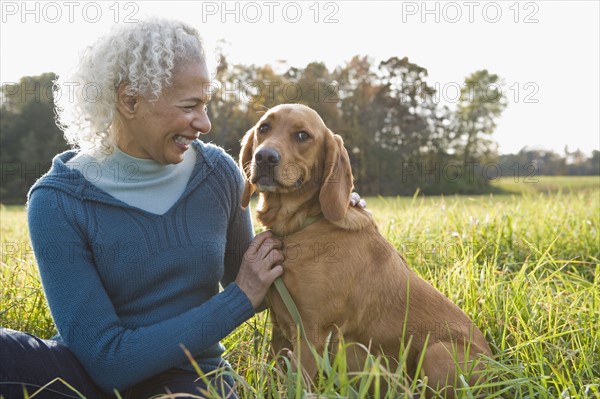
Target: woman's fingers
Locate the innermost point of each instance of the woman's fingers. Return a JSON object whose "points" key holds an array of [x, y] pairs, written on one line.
{"points": [[263, 244], [260, 266]]}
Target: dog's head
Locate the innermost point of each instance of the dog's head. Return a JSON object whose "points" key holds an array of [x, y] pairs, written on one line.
{"points": [[290, 150]]}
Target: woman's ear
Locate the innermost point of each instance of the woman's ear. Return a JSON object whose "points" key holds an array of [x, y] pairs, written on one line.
{"points": [[245, 161], [127, 103], [337, 181]]}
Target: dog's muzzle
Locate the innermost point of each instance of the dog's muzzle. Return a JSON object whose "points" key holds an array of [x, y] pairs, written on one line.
{"points": [[266, 160], [269, 174]]}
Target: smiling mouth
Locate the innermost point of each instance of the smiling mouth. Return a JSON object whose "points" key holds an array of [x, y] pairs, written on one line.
{"points": [[182, 140]]}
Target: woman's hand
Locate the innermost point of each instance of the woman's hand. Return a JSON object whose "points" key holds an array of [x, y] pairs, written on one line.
{"points": [[356, 201], [260, 266]]}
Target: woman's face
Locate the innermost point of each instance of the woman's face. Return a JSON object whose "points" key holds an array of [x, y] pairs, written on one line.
{"points": [[163, 130]]}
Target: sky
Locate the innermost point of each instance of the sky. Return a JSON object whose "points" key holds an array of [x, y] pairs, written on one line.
{"points": [[546, 52]]}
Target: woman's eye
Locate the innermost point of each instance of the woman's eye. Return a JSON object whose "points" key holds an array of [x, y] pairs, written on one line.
{"points": [[302, 136], [263, 128], [189, 108]]}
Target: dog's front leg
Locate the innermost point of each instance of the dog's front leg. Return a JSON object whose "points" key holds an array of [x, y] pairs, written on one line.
{"points": [[302, 361], [278, 341], [308, 362], [302, 353], [300, 356]]}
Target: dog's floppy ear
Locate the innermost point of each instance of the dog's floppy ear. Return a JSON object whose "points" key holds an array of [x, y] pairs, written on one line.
{"points": [[245, 161], [337, 179]]}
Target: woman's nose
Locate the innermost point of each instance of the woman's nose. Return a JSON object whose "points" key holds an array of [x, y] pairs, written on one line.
{"points": [[201, 122]]}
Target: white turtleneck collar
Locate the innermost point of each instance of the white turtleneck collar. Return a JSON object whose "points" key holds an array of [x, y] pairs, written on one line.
{"points": [[143, 183]]}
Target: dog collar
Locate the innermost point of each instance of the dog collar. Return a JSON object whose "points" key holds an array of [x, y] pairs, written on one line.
{"points": [[307, 222]]}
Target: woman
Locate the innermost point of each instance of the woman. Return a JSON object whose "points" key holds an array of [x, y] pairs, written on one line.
{"points": [[134, 232]]}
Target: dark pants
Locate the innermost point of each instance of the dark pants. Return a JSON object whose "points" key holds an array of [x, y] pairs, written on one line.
{"points": [[27, 362]]}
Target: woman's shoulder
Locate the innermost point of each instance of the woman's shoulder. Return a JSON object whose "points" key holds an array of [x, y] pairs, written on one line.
{"points": [[217, 159], [60, 175], [55, 190], [66, 180], [213, 152]]}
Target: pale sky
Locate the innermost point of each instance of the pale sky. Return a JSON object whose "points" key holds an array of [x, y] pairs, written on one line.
{"points": [[547, 52]]}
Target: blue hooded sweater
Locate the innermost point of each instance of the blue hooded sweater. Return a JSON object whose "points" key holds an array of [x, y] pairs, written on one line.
{"points": [[128, 288]]}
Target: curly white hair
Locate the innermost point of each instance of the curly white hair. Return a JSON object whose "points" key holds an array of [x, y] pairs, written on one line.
{"points": [[142, 55]]}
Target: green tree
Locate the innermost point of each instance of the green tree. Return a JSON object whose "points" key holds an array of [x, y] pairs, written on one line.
{"points": [[317, 88], [403, 108], [357, 88], [481, 104], [28, 134]]}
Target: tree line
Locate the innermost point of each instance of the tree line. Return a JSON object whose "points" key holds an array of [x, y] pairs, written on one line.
{"points": [[399, 135]]}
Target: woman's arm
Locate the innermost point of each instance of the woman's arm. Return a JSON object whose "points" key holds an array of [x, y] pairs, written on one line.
{"points": [[114, 355]]}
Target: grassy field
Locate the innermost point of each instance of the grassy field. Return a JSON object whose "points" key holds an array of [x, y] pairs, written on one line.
{"points": [[524, 265]]}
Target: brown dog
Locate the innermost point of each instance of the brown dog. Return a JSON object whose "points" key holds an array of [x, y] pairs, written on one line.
{"points": [[344, 277]]}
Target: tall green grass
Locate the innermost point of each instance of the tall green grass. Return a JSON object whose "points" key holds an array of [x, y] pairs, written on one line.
{"points": [[524, 266]]}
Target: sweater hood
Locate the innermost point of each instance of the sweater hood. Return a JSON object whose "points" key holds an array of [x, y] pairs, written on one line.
{"points": [[72, 182]]}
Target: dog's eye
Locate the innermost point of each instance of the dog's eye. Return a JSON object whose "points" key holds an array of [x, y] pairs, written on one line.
{"points": [[264, 128], [302, 136]]}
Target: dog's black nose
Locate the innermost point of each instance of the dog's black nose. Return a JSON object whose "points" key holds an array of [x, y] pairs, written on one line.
{"points": [[267, 156]]}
